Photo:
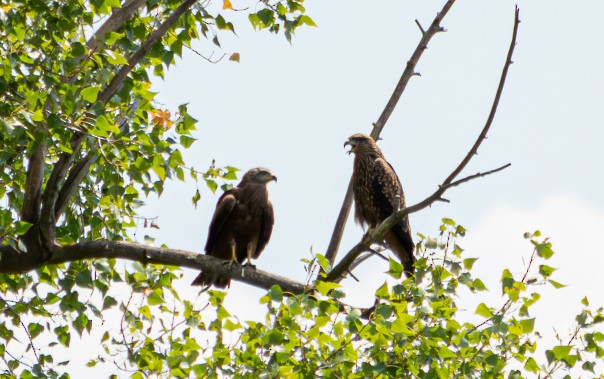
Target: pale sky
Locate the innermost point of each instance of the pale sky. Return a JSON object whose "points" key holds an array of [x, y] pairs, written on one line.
{"points": [[291, 107]]}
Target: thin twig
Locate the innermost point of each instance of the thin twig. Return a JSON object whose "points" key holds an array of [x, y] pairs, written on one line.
{"points": [[491, 117], [10, 370], [420, 27]]}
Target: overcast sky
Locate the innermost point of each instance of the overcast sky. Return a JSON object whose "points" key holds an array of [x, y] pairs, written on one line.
{"points": [[291, 107]]}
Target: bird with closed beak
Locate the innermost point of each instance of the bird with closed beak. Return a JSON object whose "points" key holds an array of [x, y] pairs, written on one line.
{"points": [[242, 224]]}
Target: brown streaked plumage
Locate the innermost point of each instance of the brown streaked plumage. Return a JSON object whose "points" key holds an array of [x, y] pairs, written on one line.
{"points": [[375, 187], [242, 223]]}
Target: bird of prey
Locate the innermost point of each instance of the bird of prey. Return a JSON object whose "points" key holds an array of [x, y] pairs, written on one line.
{"points": [[242, 224], [376, 187]]}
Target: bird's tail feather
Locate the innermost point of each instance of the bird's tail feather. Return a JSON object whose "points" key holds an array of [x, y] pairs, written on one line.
{"points": [[209, 280], [401, 243]]}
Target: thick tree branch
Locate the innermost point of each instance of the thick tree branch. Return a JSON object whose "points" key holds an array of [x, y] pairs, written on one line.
{"points": [[409, 72], [114, 22], [33, 185], [380, 231], [13, 262]]}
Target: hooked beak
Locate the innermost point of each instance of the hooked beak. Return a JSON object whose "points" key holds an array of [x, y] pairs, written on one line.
{"points": [[273, 177], [347, 143]]}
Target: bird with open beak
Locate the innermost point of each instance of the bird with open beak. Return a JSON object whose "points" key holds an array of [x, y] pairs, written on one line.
{"points": [[377, 190]]}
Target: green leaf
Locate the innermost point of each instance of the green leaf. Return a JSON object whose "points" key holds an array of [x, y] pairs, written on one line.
{"points": [[212, 185], [34, 329], [21, 227], [396, 269], [484, 311], [155, 298], [306, 20], [528, 325], [324, 263], [90, 94], [109, 302], [546, 270], [275, 293], [468, 263], [325, 287], [544, 250], [448, 221], [383, 291], [145, 311], [531, 365], [196, 198], [479, 285], [556, 284], [187, 141]]}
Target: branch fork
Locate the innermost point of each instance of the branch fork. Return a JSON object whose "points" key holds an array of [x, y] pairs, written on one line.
{"points": [[377, 234]]}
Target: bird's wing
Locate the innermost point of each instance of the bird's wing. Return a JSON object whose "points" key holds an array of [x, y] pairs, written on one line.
{"points": [[386, 186], [266, 229], [224, 208]]}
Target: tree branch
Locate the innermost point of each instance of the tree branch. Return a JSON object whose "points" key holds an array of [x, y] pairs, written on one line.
{"points": [[380, 231], [118, 79], [15, 262], [409, 72], [118, 17], [79, 171], [114, 22], [347, 263], [30, 212], [474, 150]]}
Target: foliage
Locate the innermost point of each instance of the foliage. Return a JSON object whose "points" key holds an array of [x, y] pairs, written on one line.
{"points": [[54, 77], [415, 329], [80, 97]]}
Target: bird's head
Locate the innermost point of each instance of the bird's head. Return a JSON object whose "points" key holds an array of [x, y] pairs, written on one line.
{"points": [[259, 175], [360, 142]]}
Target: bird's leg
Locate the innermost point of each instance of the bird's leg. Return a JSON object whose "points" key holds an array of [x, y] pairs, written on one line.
{"points": [[233, 255], [249, 256]]}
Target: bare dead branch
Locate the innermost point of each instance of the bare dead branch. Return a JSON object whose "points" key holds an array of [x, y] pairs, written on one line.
{"points": [[420, 27], [408, 73], [380, 231], [491, 117], [477, 175]]}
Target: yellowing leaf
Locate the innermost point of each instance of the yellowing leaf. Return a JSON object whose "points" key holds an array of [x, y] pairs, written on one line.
{"points": [[161, 118], [234, 57], [226, 4]]}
